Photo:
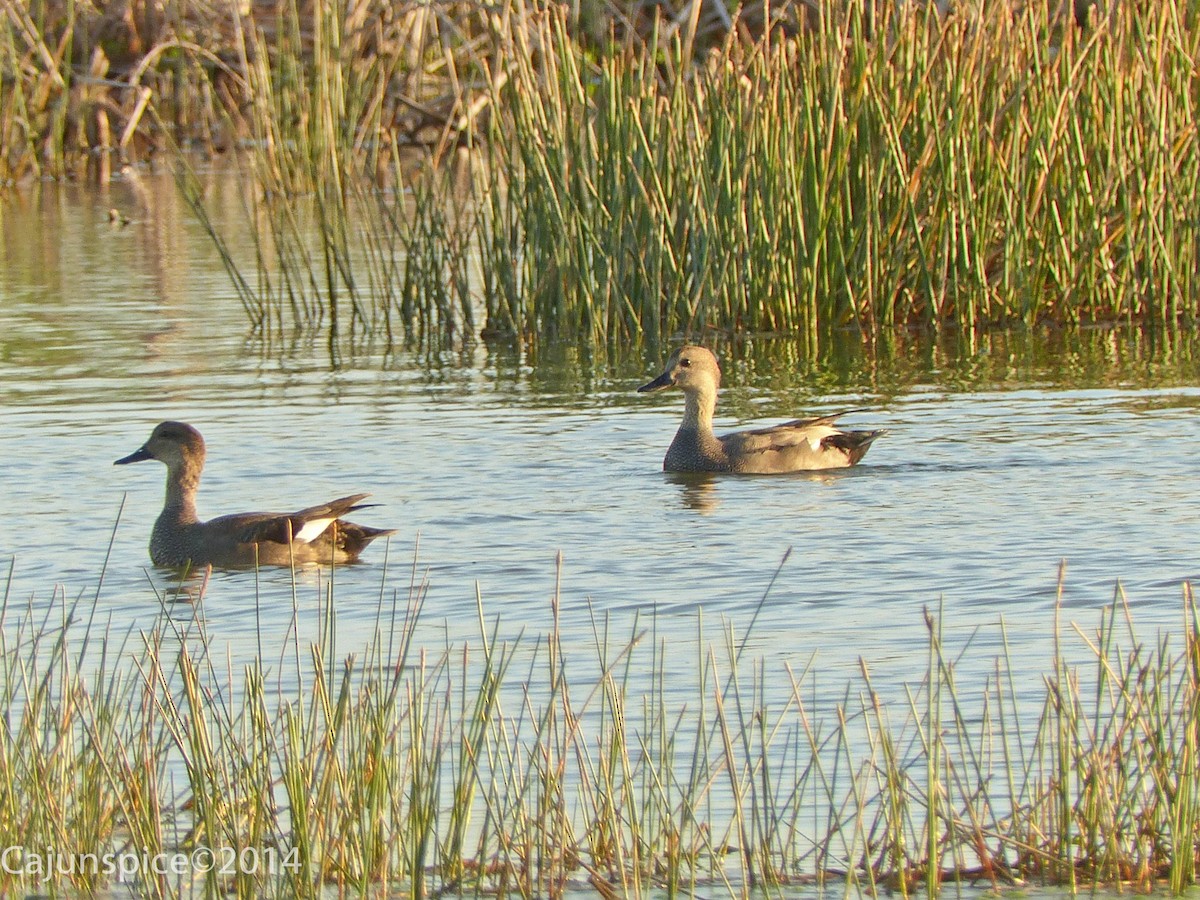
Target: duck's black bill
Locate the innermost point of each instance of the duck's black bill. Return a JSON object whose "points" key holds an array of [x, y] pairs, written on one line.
{"points": [[662, 381], [135, 456]]}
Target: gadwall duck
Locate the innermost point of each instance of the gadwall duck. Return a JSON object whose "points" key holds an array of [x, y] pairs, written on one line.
{"points": [[797, 446], [179, 538]]}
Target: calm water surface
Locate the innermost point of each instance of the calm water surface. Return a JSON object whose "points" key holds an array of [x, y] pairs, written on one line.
{"points": [[1000, 462]]}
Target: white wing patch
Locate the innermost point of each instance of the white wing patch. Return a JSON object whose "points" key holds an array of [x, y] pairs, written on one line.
{"points": [[312, 529], [818, 434]]}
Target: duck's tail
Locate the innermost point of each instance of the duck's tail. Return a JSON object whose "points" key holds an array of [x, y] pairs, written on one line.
{"points": [[353, 538], [854, 444]]}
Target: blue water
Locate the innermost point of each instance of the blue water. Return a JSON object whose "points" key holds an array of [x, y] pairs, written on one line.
{"points": [[971, 500]]}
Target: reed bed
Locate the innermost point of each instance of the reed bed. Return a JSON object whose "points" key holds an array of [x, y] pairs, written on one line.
{"points": [[881, 167], [987, 167], [110, 84], [519, 767], [646, 171]]}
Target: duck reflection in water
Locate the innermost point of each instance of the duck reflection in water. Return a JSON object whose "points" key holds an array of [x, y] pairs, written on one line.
{"points": [[698, 490]]}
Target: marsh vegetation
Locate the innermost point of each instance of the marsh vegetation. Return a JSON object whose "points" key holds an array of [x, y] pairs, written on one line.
{"points": [[399, 766], [639, 172]]}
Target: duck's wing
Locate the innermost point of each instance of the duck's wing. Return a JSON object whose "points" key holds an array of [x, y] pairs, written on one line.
{"points": [[799, 426], [301, 527], [801, 432], [798, 445]]}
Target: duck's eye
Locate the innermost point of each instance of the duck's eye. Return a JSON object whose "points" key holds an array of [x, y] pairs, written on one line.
{"points": [[685, 362]]}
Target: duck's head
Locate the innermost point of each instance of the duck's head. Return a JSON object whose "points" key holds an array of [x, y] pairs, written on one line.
{"points": [[172, 443], [690, 368]]}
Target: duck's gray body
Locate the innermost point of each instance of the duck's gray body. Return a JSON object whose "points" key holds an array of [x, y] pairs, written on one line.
{"points": [[797, 446], [179, 538]]}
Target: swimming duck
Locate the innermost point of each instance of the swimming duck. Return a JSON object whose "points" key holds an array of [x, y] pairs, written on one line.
{"points": [[179, 538], [796, 446]]}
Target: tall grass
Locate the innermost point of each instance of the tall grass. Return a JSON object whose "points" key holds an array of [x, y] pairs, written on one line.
{"points": [[339, 248], [864, 166], [993, 166], [525, 767], [644, 173], [990, 166]]}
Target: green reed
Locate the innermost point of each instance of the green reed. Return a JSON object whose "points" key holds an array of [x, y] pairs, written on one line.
{"points": [[987, 168], [334, 252], [993, 166], [869, 166], [527, 766], [864, 167]]}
